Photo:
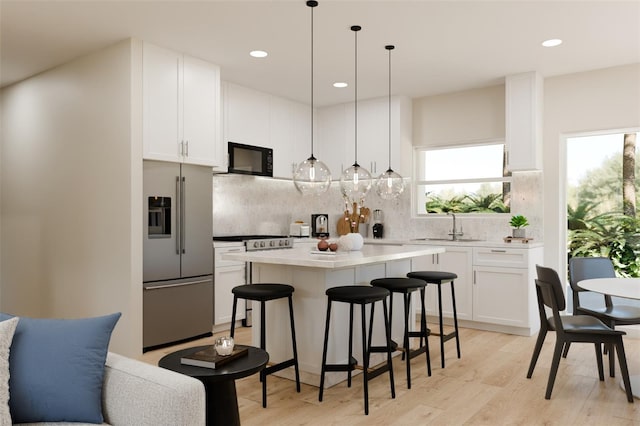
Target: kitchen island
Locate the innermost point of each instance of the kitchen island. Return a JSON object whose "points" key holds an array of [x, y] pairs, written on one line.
{"points": [[311, 274]]}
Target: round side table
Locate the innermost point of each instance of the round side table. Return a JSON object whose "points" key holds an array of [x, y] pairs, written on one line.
{"points": [[219, 383]]}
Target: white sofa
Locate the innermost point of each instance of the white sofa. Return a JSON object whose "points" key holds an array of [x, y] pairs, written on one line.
{"points": [[140, 394]]}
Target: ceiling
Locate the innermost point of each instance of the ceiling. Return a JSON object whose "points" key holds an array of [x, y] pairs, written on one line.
{"points": [[441, 46]]}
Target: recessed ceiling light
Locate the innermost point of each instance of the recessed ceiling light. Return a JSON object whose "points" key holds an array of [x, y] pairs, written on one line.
{"points": [[258, 53], [340, 84], [552, 42]]}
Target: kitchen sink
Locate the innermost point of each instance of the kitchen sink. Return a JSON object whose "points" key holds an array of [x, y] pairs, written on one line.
{"points": [[461, 240]]}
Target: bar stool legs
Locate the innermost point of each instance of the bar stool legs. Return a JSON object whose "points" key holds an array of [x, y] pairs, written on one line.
{"points": [[406, 287], [361, 295], [445, 337], [263, 293], [439, 278]]}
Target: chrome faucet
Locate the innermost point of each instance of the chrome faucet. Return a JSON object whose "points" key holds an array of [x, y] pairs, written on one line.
{"points": [[454, 233]]}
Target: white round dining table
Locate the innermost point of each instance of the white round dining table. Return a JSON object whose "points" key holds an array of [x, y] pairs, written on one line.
{"points": [[620, 287]]}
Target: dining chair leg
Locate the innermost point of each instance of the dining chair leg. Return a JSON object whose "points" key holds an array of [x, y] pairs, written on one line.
{"points": [[566, 349], [622, 360], [612, 362], [557, 353], [536, 352], [599, 361]]}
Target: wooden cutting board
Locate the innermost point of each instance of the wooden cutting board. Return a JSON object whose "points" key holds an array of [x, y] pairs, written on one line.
{"points": [[342, 227]]}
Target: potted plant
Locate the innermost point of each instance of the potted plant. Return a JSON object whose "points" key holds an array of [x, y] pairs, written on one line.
{"points": [[518, 222]]}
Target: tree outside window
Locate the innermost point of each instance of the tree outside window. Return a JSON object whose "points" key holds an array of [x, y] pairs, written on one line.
{"points": [[603, 178], [462, 179]]}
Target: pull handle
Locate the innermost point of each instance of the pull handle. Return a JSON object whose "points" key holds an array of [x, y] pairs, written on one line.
{"points": [[498, 251], [183, 216], [178, 215], [474, 277]]}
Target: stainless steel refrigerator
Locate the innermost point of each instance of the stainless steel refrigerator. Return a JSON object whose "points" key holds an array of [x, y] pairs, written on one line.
{"points": [[178, 253]]}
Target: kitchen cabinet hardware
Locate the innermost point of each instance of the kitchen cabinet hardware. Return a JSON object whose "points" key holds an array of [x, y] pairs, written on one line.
{"points": [[498, 251]]}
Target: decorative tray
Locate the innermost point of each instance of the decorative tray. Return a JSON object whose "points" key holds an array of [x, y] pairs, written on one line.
{"points": [[327, 252]]}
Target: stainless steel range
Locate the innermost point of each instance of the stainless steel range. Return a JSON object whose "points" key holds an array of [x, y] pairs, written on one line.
{"points": [[225, 278]]}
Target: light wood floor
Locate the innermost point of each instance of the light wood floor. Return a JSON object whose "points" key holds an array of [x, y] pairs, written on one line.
{"points": [[487, 386]]}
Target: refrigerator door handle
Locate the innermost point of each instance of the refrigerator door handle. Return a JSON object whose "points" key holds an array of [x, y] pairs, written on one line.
{"points": [[178, 215], [183, 217], [160, 287]]}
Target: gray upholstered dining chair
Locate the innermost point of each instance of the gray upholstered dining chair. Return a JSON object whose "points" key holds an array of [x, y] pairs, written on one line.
{"points": [[612, 314], [572, 328]]}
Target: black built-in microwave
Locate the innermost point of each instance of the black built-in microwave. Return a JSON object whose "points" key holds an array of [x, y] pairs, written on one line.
{"points": [[250, 159]]}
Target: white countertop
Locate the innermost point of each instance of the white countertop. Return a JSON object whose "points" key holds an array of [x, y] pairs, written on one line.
{"points": [[302, 255], [440, 243]]}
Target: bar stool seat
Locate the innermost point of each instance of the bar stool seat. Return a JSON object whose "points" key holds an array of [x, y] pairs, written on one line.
{"points": [[263, 293], [359, 295], [439, 278], [406, 286]]}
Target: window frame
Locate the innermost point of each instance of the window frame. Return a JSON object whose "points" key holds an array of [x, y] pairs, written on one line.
{"points": [[415, 183]]}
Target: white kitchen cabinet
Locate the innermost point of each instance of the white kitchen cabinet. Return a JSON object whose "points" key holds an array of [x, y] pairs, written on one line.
{"points": [[226, 278], [289, 135], [337, 135], [500, 296], [227, 275], [246, 116], [495, 287], [181, 108], [523, 108], [456, 260], [503, 287], [333, 138]]}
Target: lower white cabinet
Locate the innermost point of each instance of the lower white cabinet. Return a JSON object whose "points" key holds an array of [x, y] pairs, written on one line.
{"points": [[227, 274], [504, 286], [458, 261], [226, 278], [495, 288], [500, 295]]}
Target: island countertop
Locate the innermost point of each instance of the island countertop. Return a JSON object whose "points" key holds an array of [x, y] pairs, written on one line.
{"points": [[305, 255]]}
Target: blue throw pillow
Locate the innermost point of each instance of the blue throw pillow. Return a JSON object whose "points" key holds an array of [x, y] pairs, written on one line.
{"points": [[56, 368]]}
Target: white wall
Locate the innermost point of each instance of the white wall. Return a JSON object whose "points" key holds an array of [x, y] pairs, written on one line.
{"points": [[71, 183], [605, 99]]}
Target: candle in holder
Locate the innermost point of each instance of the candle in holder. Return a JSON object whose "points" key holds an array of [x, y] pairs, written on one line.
{"points": [[224, 345]]}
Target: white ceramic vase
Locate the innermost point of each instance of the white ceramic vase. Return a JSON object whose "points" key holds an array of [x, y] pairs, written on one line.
{"points": [[350, 242]]}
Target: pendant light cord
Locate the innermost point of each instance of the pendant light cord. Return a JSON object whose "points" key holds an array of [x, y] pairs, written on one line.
{"points": [[355, 29], [312, 6], [389, 109], [389, 47]]}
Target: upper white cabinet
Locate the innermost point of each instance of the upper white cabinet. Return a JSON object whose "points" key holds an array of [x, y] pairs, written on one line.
{"points": [[524, 97], [289, 135], [333, 138], [246, 116], [337, 135], [257, 118], [181, 108]]}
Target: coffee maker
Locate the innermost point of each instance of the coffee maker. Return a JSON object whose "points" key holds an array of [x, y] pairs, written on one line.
{"points": [[378, 227]]}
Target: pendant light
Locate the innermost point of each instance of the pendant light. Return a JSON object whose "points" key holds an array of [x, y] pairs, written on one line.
{"points": [[312, 177], [355, 181], [389, 184]]}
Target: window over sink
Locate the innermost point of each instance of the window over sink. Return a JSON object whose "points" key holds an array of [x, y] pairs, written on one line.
{"points": [[470, 178]]}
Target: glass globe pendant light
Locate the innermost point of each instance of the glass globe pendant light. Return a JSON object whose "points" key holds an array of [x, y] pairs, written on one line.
{"points": [[355, 181], [389, 184], [312, 177]]}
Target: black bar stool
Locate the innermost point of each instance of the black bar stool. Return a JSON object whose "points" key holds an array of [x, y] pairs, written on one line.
{"points": [[359, 295], [439, 278], [406, 286], [263, 293]]}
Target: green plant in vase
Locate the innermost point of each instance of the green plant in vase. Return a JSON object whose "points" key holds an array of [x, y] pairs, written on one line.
{"points": [[518, 223]]}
